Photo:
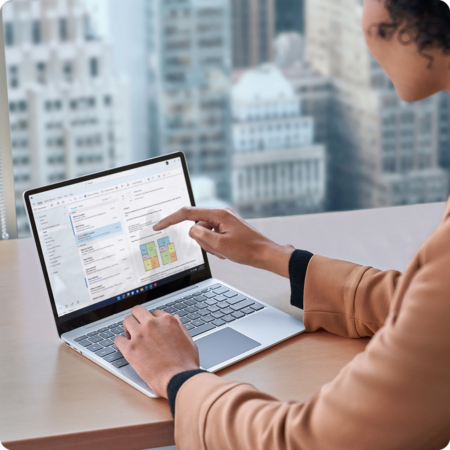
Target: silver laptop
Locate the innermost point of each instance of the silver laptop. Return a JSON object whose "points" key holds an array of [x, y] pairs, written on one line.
{"points": [[100, 257]]}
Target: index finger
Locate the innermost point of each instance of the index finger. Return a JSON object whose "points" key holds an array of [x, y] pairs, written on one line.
{"points": [[188, 213]]}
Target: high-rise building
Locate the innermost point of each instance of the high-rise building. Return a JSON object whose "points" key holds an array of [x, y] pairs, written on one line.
{"points": [[277, 169], [290, 16], [382, 150], [253, 31], [189, 54], [68, 113]]}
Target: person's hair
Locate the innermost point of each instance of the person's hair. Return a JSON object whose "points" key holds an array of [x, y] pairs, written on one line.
{"points": [[425, 22]]}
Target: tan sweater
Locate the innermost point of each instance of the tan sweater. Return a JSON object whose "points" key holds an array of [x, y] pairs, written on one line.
{"points": [[395, 395]]}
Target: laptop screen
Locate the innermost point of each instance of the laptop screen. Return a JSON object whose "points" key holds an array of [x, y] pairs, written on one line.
{"points": [[97, 238]]}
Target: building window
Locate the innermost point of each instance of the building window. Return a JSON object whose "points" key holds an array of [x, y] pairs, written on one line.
{"points": [[41, 72], [36, 32], [9, 34], [93, 67], [108, 100], [13, 77], [67, 71], [63, 34]]}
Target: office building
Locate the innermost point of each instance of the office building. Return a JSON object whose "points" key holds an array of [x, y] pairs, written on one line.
{"points": [[188, 87], [277, 169], [253, 31], [68, 113], [382, 151], [290, 16]]}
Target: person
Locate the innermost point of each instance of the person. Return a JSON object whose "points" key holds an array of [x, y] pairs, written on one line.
{"points": [[396, 394]]}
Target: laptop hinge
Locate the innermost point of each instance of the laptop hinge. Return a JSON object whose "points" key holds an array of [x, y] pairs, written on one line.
{"points": [[165, 297]]}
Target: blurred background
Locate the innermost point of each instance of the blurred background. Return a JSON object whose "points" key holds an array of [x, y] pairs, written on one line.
{"points": [[277, 104]]}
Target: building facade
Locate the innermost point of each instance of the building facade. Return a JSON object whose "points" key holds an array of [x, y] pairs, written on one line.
{"points": [[68, 113], [253, 32], [277, 169], [383, 151], [189, 51], [290, 16]]}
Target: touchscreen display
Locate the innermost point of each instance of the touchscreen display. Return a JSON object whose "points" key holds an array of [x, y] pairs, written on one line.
{"points": [[98, 241]]}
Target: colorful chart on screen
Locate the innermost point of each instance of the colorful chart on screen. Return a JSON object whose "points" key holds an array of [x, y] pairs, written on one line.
{"points": [[167, 251], [149, 256]]}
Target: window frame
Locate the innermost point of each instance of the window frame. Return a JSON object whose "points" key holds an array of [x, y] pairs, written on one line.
{"points": [[6, 161]]}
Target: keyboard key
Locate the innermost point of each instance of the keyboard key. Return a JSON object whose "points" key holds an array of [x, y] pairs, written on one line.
{"points": [[242, 305], [106, 342], [228, 318], [209, 294], [94, 347], [211, 301], [207, 318], [117, 330], [202, 329], [95, 339], [188, 297], [205, 290], [230, 294], [120, 323], [85, 343], [194, 316], [220, 298], [222, 305], [197, 323], [92, 333], [189, 326], [112, 326], [213, 308], [170, 310], [78, 339], [199, 298], [257, 307], [201, 305], [237, 299], [196, 293], [102, 330], [106, 334], [203, 312], [170, 304], [217, 315], [182, 313], [120, 363], [190, 302], [221, 290], [180, 306], [248, 310], [112, 346], [219, 322], [113, 357], [238, 314], [105, 351], [215, 286], [227, 311], [191, 309], [180, 300], [185, 320]]}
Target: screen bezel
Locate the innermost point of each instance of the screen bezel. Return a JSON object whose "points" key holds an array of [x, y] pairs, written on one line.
{"points": [[139, 299]]}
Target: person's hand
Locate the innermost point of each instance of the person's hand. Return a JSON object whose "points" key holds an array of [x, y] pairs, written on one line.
{"points": [[158, 347], [224, 234]]}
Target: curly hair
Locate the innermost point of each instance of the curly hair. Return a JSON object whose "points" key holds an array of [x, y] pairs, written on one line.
{"points": [[425, 22]]}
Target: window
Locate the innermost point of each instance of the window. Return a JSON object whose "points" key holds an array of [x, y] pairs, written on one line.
{"points": [[208, 81], [36, 32], [63, 34], [93, 67]]}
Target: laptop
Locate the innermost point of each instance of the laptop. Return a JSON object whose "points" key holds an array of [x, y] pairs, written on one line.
{"points": [[100, 257]]}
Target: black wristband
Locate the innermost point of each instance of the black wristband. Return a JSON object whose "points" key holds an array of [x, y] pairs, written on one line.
{"points": [[174, 386], [298, 264]]}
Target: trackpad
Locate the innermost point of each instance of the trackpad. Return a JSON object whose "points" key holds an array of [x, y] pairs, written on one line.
{"points": [[222, 346]]}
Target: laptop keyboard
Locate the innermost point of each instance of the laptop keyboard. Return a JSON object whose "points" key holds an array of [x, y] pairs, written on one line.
{"points": [[199, 312]]}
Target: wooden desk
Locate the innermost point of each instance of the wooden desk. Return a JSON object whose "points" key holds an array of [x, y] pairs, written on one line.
{"points": [[53, 398]]}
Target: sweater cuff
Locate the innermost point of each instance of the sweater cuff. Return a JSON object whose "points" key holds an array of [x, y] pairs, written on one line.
{"points": [[175, 384], [298, 264]]}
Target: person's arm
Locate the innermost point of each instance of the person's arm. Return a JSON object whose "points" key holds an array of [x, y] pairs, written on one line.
{"points": [[395, 395], [338, 296]]}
